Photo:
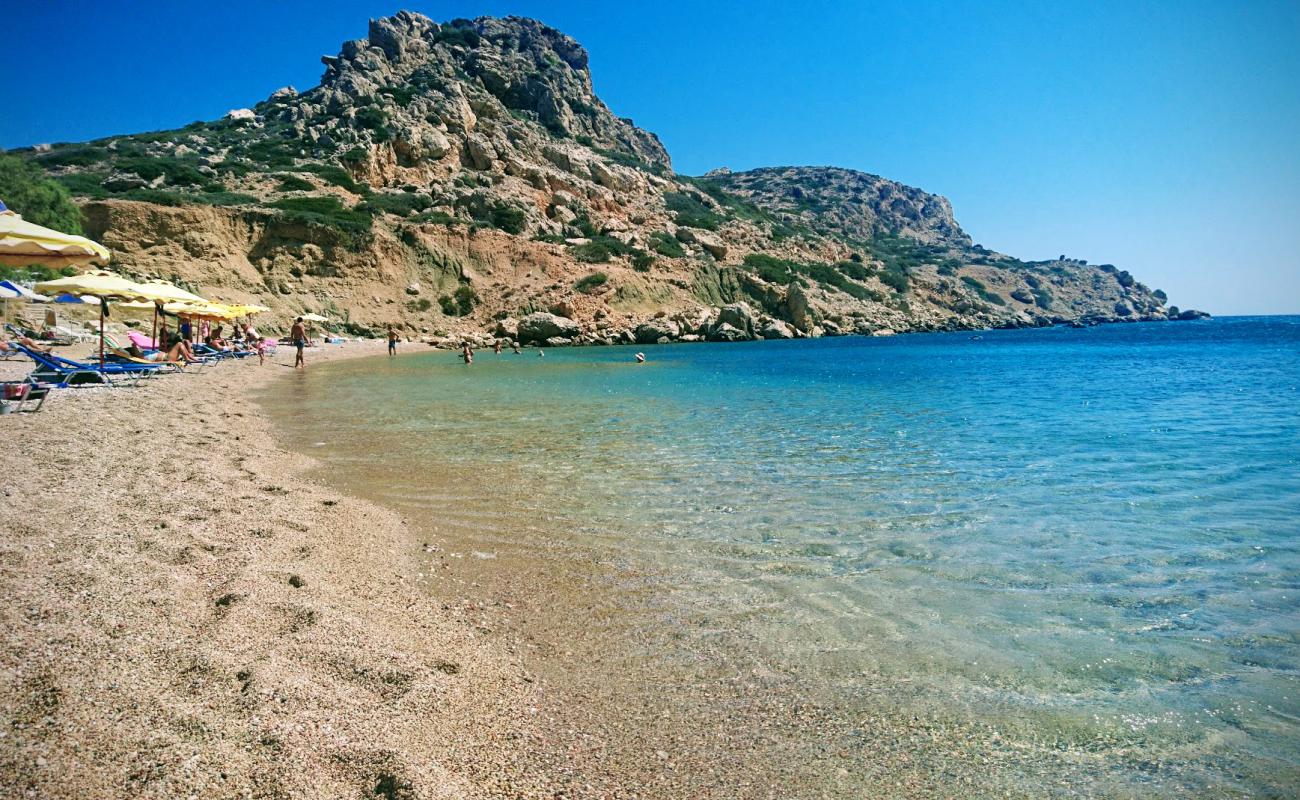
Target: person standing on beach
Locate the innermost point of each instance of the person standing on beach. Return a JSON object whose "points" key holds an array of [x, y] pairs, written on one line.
{"points": [[299, 336], [392, 341]]}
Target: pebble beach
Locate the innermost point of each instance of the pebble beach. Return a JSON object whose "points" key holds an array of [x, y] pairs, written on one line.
{"points": [[185, 616]]}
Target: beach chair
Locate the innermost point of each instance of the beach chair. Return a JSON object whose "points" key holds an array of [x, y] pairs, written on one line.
{"points": [[65, 373], [64, 333], [17, 396]]}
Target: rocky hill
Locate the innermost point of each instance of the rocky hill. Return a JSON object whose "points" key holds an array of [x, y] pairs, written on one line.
{"points": [[463, 179]]}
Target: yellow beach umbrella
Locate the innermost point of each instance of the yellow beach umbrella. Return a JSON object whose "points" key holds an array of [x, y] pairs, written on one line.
{"points": [[104, 285], [161, 291], [169, 292], [24, 243], [314, 318]]}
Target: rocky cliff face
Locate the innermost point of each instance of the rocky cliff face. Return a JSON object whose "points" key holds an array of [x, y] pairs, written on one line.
{"points": [[463, 178]]}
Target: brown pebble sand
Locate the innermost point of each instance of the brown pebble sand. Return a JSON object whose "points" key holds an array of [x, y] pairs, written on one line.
{"points": [[184, 615]]}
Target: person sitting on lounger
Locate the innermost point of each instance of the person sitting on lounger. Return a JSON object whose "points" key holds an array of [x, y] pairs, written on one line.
{"points": [[180, 353]]}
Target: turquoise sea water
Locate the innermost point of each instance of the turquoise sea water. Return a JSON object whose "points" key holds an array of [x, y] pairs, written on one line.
{"points": [[1086, 535]]}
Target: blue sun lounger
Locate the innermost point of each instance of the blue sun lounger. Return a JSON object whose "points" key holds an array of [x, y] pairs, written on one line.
{"points": [[65, 373]]}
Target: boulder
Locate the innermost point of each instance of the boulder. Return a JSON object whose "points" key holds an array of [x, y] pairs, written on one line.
{"points": [[1023, 295], [480, 151], [710, 242], [1192, 313], [776, 329], [726, 332], [739, 316], [508, 327], [434, 143], [798, 309], [1122, 309], [124, 181], [654, 330], [558, 341], [541, 326], [413, 288]]}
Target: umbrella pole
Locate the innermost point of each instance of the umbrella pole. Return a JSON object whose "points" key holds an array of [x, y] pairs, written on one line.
{"points": [[153, 332], [101, 335]]}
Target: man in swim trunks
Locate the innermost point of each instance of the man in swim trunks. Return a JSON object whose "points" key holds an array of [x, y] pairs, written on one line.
{"points": [[299, 336], [392, 341]]}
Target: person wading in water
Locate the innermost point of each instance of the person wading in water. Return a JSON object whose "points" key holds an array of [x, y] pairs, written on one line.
{"points": [[299, 336]]}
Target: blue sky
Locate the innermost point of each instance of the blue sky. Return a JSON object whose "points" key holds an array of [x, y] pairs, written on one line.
{"points": [[1163, 137]]}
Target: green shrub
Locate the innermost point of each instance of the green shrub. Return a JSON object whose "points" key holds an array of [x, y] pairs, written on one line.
{"points": [[1043, 298], [690, 212], [174, 171], [335, 176], [461, 303], [509, 218], [592, 252], [292, 183], [583, 223], [403, 204], [224, 198], [590, 283], [770, 268], [74, 156], [402, 95], [949, 266], [453, 34], [272, 153], [371, 117], [423, 304], [466, 298], [82, 184], [896, 280], [642, 261], [356, 155], [324, 211], [666, 245]]}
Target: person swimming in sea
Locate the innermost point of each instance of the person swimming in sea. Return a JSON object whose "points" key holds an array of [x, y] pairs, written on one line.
{"points": [[640, 358], [467, 353], [496, 347]]}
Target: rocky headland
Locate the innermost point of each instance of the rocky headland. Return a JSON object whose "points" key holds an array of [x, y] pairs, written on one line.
{"points": [[463, 181]]}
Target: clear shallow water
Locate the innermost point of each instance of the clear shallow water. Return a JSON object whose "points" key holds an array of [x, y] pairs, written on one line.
{"points": [[1086, 539]]}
